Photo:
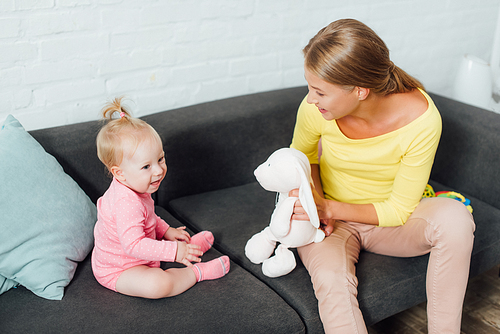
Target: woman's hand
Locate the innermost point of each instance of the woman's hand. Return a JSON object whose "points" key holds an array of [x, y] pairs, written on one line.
{"points": [[187, 253], [299, 213], [322, 205], [177, 234], [327, 225]]}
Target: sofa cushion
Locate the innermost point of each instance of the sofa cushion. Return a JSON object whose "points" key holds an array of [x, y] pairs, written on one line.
{"points": [[235, 214], [235, 303], [47, 220], [75, 149], [238, 303]]}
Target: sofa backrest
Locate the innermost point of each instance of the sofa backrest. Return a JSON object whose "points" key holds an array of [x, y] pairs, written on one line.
{"points": [[201, 143], [218, 144], [74, 148], [468, 156]]}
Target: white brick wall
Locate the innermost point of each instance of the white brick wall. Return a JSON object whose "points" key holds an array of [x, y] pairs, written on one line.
{"points": [[60, 60]]}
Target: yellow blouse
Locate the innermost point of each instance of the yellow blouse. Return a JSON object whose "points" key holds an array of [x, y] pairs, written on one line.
{"points": [[390, 171]]}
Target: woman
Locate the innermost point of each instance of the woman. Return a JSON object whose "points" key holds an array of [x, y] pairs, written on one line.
{"points": [[378, 132]]}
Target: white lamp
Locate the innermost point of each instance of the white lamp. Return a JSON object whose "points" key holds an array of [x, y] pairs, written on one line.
{"points": [[474, 82]]}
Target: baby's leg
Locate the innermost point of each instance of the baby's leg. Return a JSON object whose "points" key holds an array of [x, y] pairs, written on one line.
{"points": [[204, 239], [212, 269], [154, 283]]}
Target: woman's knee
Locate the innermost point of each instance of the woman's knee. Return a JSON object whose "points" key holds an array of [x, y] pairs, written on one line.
{"points": [[451, 222]]}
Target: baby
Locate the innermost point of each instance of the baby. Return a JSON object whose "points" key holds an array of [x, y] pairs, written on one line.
{"points": [[130, 239]]}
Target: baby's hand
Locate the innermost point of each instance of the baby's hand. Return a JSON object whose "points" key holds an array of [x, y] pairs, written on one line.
{"points": [[187, 253], [177, 234]]}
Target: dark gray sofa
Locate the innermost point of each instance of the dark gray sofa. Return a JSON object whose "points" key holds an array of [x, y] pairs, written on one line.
{"points": [[212, 150]]}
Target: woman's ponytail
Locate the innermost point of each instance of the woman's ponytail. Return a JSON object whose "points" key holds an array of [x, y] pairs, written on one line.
{"points": [[350, 54]]}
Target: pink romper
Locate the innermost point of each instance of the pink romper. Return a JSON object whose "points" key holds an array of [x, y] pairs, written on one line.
{"points": [[128, 233]]}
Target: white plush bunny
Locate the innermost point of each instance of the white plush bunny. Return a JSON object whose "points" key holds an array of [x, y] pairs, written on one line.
{"points": [[286, 169]]}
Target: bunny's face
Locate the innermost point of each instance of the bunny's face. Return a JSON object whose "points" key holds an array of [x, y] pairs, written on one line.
{"points": [[279, 173]]}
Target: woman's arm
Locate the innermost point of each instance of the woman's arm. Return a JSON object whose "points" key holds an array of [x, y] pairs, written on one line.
{"points": [[326, 224], [330, 210], [317, 179], [361, 213]]}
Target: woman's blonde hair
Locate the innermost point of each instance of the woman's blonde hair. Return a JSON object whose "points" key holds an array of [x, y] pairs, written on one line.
{"points": [[121, 133], [350, 54]]}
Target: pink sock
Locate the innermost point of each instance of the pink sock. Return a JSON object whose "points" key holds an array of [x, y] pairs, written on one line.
{"points": [[204, 239], [211, 269]]}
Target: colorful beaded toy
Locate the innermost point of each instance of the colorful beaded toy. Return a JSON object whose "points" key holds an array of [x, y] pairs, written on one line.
{"points": [[429, 192]]}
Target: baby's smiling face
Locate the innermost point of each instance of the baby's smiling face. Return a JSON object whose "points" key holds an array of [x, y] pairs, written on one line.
{"points": [[143, 169]]}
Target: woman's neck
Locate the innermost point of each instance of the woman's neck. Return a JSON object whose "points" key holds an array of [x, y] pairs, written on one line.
{"points": [[377, 115]]}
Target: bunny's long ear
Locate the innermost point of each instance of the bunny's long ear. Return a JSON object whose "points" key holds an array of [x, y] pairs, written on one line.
{"points": [[305, 193]]}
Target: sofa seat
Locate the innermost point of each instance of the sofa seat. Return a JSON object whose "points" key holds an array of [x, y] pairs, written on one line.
{"points": [[235, 214], [236, 303]]}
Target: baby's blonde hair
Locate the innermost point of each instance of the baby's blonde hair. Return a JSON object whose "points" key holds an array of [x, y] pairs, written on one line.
{"points": [[121, 134]]}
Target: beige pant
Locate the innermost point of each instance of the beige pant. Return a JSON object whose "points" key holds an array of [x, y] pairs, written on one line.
{"points": [[441, 226]]}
